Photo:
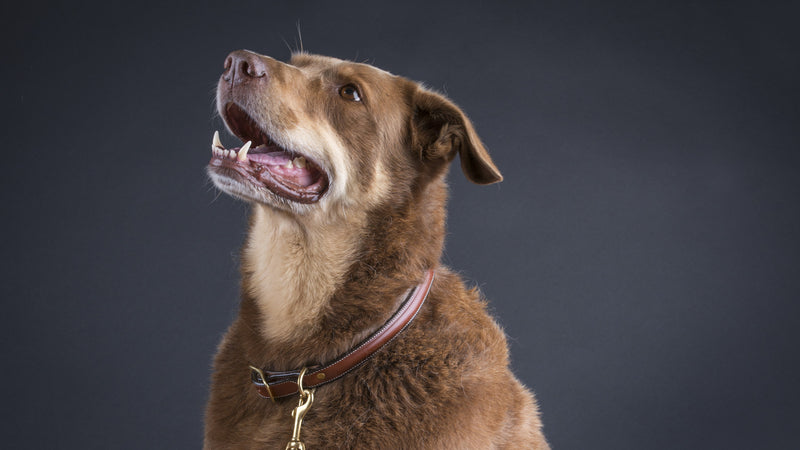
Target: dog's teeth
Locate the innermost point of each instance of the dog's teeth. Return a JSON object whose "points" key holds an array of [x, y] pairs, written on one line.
{"points": [[216, 142], [289, 164], [243, 151], [232, 154], [300, 162]]}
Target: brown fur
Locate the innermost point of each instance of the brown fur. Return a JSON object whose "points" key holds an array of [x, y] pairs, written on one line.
{"points": [[317, 279]]}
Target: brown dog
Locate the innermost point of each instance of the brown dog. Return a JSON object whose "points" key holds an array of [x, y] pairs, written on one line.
{"points": [[345, 169]]}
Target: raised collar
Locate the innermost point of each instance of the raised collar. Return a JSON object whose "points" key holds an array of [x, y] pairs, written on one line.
{"points": [[270, 384]]}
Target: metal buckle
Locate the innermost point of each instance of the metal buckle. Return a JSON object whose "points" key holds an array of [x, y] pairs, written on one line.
{"points": [[258, 378], [265, 377]]}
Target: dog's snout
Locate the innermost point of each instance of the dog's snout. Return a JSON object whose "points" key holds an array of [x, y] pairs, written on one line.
{"points": [[242, 66]]}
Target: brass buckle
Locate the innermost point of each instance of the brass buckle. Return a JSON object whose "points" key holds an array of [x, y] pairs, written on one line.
{"points": [[258, 378]]}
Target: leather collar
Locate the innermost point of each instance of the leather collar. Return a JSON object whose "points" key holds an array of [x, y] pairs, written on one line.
{"points": [[274, 385]]}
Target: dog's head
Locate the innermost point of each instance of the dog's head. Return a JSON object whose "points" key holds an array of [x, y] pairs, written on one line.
{"points": [[326, 134]]}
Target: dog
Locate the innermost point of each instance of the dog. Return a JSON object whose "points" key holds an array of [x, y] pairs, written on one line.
{"points": [[344, 165]]}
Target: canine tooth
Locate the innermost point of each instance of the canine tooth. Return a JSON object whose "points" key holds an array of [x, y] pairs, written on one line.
{"points": [[300, 162], [216, 142], [243, 151]]}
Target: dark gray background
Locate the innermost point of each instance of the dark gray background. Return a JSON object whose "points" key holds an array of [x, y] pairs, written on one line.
{"points": [[642, 253]]}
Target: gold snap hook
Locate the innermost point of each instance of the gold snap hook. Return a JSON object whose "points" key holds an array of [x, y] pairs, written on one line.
{"points": [[306, 399]]}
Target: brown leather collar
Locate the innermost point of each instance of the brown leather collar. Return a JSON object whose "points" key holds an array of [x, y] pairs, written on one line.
{"points": [[281, 384]]}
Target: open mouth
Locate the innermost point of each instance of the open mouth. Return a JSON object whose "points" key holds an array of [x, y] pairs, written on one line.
{"points": [[262, 163]]}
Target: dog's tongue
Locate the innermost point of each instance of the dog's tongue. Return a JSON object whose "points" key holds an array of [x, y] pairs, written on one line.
{"points": [[282, 164]]}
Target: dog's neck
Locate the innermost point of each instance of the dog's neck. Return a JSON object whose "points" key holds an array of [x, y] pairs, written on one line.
{"points": [[295, 276], [291, 270]]}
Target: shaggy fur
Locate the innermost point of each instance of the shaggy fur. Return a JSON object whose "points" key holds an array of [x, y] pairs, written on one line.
{"points": [[318, 277]]}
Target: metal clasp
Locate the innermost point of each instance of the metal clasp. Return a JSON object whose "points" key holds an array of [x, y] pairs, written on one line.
{"points": [[306, 399], [257, 376]]}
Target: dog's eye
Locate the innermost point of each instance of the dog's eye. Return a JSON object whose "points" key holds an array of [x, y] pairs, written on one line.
{"points": [[350, 92]]}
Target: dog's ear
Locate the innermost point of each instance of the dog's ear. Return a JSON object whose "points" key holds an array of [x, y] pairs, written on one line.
{"points": [[440, 129]]}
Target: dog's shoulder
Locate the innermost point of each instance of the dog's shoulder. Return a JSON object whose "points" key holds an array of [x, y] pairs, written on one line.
{"points": [[451, 367]]}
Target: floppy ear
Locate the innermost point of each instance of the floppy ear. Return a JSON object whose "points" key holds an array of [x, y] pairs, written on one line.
{"points": [[440, 129]]}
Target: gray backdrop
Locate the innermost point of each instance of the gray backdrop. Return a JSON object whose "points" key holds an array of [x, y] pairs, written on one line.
{"points": [[642, 253]]}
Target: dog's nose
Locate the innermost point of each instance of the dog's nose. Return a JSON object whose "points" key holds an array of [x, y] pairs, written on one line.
{"points": [[242, 65]]}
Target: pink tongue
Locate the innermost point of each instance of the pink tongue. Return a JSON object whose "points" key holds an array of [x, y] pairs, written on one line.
{"points": [[276, 164]]}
